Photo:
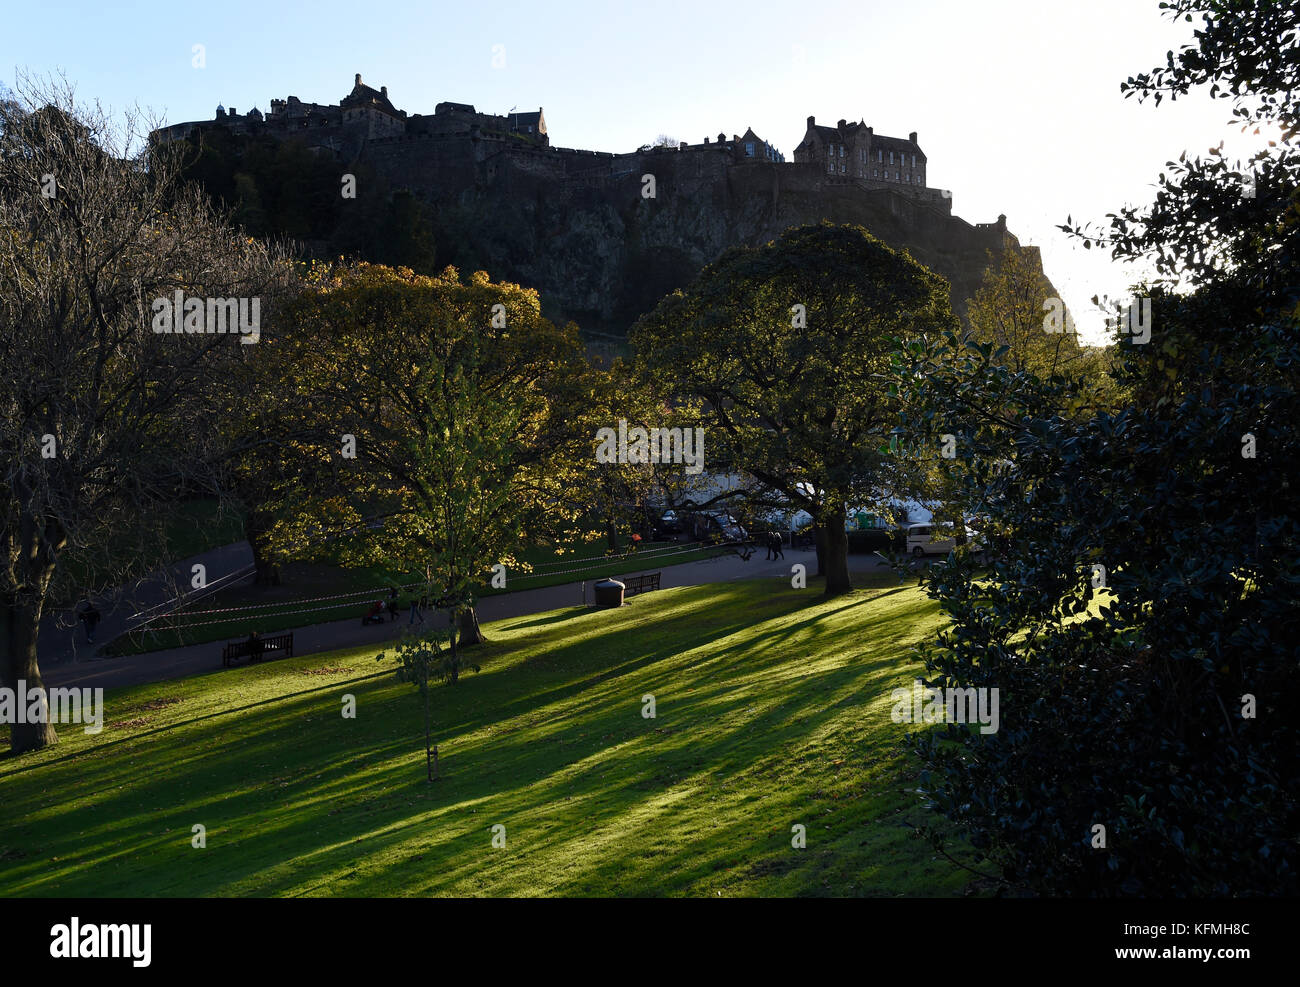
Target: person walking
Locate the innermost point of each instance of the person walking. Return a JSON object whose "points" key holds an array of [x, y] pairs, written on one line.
{"points": [[392, 604], [416, 608], [89, 617], [775, 546]]}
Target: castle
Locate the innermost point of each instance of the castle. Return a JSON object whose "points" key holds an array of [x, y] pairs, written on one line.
{"points": [[578, 225], [849, 153]]}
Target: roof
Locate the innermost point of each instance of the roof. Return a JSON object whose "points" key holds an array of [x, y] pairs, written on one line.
{"points": [[363, 95], [840, 135]]}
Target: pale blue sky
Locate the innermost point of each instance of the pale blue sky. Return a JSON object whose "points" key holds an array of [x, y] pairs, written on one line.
{"points": [[1016, 102]]}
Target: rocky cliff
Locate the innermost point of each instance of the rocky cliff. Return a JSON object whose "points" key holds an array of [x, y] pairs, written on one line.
{"points": [[580, 230]]}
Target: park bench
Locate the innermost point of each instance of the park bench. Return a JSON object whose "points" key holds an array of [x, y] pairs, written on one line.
{"points": [[242, 649], [640, 584]]}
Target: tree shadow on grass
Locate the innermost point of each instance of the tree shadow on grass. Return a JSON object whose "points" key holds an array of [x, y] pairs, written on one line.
{"points": [[333, 810], [553, 618]]}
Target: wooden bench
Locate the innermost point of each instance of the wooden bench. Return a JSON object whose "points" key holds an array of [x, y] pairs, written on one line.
{"points": [[243, 649], [639, 584]]}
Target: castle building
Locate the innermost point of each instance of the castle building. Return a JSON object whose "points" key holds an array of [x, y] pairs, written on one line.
{"points": [[854, 150], [371, 110]]}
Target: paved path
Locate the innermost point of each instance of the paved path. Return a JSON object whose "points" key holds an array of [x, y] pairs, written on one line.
{"points": [[174, 663], [63, 639]]}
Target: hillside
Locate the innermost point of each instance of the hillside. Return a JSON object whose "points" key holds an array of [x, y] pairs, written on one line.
{"points": [[772, 710]]}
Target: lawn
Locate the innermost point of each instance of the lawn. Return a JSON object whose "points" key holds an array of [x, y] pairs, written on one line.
{"points": [[772, 710]]}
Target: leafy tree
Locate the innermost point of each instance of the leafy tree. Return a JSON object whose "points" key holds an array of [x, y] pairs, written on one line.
{"points": [[789, 346], [106, 423], [1009, 311], [1141, 618], [455, 397]]}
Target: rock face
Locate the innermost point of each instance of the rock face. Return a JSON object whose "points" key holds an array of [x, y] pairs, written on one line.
{"points": [[581, 228]]}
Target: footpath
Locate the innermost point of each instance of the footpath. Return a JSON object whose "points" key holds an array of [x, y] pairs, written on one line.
{"points": [[174, 663]]}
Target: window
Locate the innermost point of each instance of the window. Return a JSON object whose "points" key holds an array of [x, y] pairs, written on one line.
{"points": [[841, 167], [891, 157], [841, 150], [749, 149], [875, 172], [880, 155], [913, 160]]}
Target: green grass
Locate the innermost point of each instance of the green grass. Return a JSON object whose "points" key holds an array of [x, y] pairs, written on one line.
{"points": [[772, 709]]}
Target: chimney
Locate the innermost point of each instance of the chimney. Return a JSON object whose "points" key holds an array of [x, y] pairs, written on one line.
{"points": [[722, 138], [871, 130], [706, 140], [358, 82], [232, 112], [383, 91], [841, 124], [912, 136], [812, 122]]}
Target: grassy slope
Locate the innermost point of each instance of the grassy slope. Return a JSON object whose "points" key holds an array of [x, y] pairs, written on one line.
{"points": [[772, 710]]}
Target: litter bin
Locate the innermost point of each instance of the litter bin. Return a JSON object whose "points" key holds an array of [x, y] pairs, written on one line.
{"points": [[609, 593]]}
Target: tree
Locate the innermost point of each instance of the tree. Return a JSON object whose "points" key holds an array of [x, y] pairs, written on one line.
{"points": [[105, 421], [789, 346], [420, 657], [1012, 310], [438, 403], [1143, 610]]}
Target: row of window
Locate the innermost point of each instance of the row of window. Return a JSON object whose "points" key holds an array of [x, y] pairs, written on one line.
{"points": [[862, 155], [890, 176]]}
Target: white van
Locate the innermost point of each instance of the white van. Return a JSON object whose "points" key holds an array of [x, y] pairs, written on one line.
{"points": [[922, 539]]}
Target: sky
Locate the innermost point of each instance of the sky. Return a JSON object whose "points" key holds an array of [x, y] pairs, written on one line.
{"points": [[1016, 102]]}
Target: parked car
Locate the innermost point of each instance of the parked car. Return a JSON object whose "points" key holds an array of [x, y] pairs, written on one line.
{"points": [[723, 527], [924, 539], [668, 526]]}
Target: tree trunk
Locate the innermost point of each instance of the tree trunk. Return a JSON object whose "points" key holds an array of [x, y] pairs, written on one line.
{"points": [[454, 677], [837, 553], [819, 543], [430, 752], [21, 631], [611, 535], [470, 633]]}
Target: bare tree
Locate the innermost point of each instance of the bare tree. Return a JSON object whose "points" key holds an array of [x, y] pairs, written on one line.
{"points": [[107, 419]]}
